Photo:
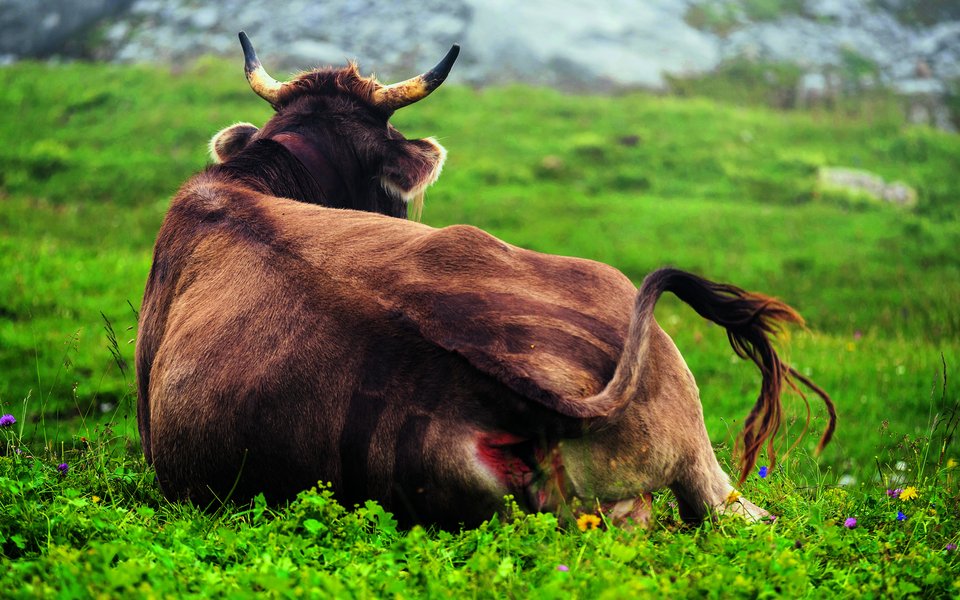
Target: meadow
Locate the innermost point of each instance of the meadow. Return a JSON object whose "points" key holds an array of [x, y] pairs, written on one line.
{"points": [[93, 153]]}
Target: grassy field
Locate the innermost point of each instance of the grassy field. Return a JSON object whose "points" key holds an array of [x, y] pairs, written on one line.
{"points": [[92, 154]]}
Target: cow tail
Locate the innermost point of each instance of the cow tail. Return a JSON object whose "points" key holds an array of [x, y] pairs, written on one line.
{"points": [[750, 320]]}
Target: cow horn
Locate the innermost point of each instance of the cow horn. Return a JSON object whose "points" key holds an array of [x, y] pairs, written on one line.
{"points": [[398, 95], [265, 86]]}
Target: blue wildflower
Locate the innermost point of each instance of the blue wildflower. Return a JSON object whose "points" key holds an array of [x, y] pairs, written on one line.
{"points": [[763, 472], [901, 516]]}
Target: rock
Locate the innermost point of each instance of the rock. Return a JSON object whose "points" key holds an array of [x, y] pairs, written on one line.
{"points": [[564, 43], [32, 29], [858, 183], [622, 43]]}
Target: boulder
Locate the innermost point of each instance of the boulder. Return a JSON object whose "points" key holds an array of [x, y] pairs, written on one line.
{"points": [[858, 184], [39, 29], [564, 43]]}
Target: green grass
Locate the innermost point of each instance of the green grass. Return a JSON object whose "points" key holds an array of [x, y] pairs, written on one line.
{"points": [[93, 153], [101, 529]]}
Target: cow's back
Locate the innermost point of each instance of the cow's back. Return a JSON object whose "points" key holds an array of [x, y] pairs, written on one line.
{"points": [[276, 356]]}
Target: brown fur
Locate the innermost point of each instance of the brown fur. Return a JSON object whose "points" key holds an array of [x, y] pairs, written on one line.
{"points": [[353, 157], [356, 159], [285, 341], [282, 344]]}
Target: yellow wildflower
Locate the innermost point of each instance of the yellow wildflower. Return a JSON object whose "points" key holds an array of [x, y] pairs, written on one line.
{"points": [[733, 496], [95, 499], [909, 493], [951, 463], [585, 522]]}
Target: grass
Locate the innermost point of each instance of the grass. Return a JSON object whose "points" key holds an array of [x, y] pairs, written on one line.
{"points": [[101, 529], [93, 153]]}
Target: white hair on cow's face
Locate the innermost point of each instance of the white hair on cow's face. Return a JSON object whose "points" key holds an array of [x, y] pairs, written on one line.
{"points": [[429, 168]]}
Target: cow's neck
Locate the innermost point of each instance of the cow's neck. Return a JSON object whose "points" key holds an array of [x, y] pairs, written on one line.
{"points": [[336, 193]]}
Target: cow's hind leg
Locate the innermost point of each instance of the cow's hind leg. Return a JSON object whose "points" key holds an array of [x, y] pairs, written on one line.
{"points": [[702, 488]]}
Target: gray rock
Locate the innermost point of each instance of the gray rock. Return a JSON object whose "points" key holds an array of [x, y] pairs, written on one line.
{"points": [[567, 43], [38, 29], [856, 182], [618, 43]]}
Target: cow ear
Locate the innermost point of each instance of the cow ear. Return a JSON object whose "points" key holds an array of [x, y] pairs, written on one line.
{"points": [[411, 166], [231, 140]]}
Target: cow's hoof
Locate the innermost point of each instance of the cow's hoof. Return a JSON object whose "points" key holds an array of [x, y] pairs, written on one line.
{"points": [[744, 508]]}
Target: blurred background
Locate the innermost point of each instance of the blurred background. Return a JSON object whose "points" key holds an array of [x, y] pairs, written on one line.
{"points": [[800, 52]]}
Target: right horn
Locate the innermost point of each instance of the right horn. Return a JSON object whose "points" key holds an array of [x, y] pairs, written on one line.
{"points": [[405, 93], [265, 86]]}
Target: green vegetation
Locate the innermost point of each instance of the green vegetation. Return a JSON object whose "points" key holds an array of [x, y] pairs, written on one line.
{"points": [[92, 155], [920, 12], [723, 17]]}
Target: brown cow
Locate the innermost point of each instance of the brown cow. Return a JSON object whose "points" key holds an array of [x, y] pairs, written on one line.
{"points": [[284, 343]]}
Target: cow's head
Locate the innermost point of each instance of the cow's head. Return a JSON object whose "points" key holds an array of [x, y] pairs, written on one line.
{"points": [[335, 122]]}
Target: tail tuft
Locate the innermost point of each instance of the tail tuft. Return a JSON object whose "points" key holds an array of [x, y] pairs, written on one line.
{"points": [[750, 320]]}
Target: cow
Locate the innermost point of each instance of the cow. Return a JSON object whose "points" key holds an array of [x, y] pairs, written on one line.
{"points": [[296, 328]]}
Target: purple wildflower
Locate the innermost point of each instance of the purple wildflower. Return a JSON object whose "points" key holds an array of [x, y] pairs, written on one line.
{"points": [[7, 420], [771, 519], [63, 468], [763, 472], [950, 547], [563, 568], [901, 516], [850, 523], [894, 493]]}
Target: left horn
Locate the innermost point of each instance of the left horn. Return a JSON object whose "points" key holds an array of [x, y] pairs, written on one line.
{"points": [[265, 86], [405, 93]]}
